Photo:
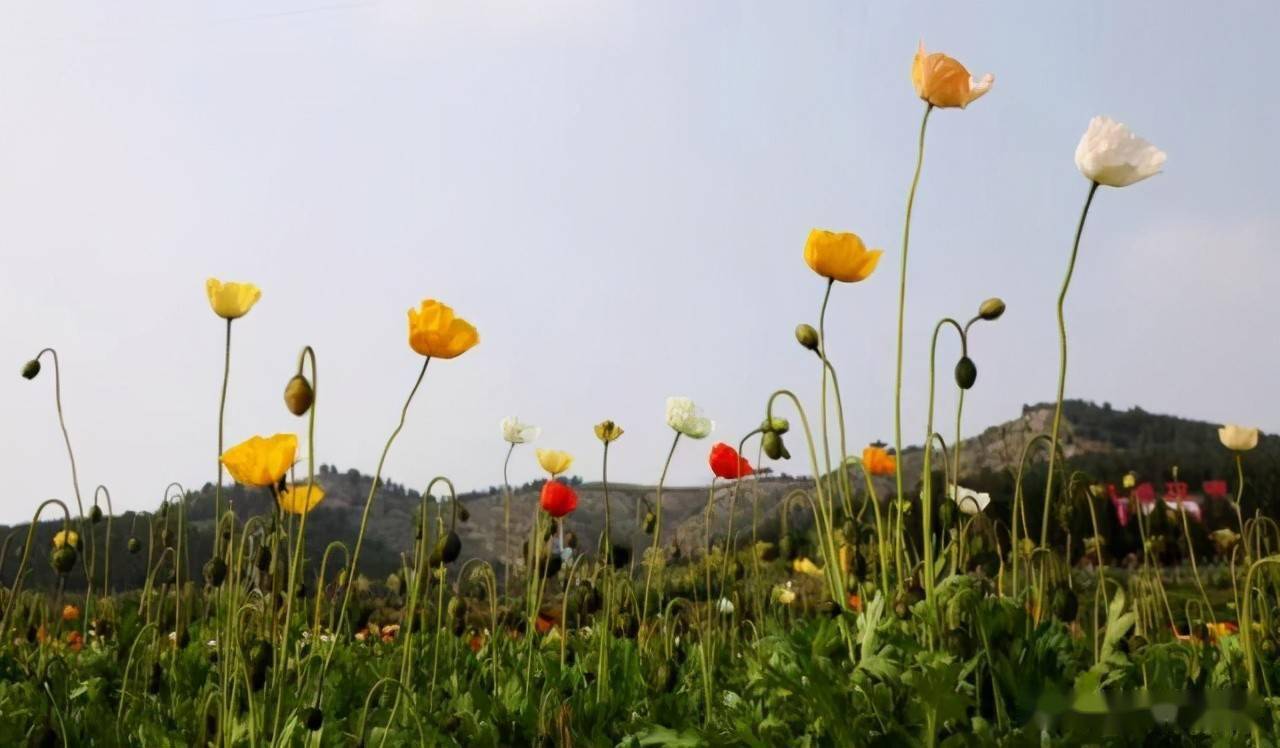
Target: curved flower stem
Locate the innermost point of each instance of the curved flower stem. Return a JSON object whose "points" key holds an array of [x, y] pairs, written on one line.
{"points": [[506, 523], [656, 547], [222, 408], [830, 556], [299, 549], [826, 368], [373, 491], [26, 552], [902, 306], [364, 524], [1062, 363], [106, 552], [1239, 498], [1246, 631], [926, 477], [602, 667]]}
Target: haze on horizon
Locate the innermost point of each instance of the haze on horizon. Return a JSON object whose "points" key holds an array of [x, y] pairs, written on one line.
{"points": [[617, 195]]}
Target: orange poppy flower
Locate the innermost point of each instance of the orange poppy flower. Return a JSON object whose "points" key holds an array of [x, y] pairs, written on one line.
{"points": [[877, 461], [70, 613]]}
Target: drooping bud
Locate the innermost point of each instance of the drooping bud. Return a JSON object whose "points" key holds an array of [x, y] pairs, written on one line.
{"points": [[807, 336], [966, 372], [31, 369], [774, 447], [313, 719], [298, 395], [215, 571], [991, 309], [135, 545], [650, 521], [263, 559], [776, 425], [63, 559], [95, 514]]}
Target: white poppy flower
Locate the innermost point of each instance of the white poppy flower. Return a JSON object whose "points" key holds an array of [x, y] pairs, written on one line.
{"points": [[515, 432], [686, 418], [725, 606], [1238, 438], [1110, 154], [969, 501]]}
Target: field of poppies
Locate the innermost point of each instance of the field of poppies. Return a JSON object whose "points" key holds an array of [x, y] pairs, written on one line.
{"points": [[910, 610]]}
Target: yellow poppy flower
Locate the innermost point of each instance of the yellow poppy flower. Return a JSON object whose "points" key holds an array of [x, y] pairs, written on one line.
{"points": [[434, 331], [66, 537], [231, 300], [301, 498], [554, 461], [944, 82], [840, 256], [261, 461], [607, 431], [803, 565]]}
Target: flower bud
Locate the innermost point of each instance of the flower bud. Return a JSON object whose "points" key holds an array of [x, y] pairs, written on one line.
{"points": [[773, 446], [313, 718], [966, 372], [215, 571], [991, 309], [31, 369], [776, 425], [298, 395], [807, 336], [135, 545], [63, 559], [95, 514]]}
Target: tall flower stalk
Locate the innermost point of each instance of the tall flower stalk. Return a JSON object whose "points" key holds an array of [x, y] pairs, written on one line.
{"points": [[1108, 154]]}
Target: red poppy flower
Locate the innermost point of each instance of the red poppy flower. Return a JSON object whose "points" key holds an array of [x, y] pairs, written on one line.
{"points": [[726, 463], [558, 499]]}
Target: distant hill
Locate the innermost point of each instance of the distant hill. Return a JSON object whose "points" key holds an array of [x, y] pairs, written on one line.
{"points": [[1102, 441]]}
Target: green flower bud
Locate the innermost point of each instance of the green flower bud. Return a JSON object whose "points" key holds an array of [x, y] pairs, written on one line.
{"points": [[774, 448], [807, 336], [776, 425], [31, 369], [215, 571], [966, 372], [95, 514], [298, 395], [63, 559], [135, 545], [313, 718], [991, 309]]}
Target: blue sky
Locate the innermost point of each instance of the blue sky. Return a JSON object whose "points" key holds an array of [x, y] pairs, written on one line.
{"points": [[617, 194]]}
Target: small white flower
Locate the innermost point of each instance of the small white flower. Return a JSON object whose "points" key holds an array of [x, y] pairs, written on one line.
{"points": [[566, 554], [515, 432], [1238, 438], [969, 501], [686, 418], [784, 594], [725, 606], [212, 643], [1110, 154]]}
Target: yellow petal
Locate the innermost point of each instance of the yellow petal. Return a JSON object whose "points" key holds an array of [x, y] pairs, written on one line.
{"points": [[554, 461], [435, 331], [261, 461], [301, 498], [231, 300]]}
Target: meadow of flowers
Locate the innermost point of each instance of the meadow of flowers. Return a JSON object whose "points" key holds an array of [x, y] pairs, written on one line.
{"points": [[905, 614]]}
